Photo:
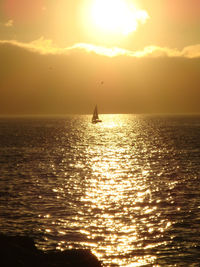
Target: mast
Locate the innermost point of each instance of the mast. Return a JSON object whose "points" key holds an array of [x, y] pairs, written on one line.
{"points": [[96, 113]]}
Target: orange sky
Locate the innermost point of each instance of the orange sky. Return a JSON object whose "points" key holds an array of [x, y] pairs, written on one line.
{"points": [[54, 54]]}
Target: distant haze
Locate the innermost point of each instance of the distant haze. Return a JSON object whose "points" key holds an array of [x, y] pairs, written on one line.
{"points": [[72, 83]]}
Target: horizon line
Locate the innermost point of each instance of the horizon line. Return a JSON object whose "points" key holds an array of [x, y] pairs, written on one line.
{"points": [[90, 114]]}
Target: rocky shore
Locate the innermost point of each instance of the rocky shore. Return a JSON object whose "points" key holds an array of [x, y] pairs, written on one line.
{"points": [[20, 251]]}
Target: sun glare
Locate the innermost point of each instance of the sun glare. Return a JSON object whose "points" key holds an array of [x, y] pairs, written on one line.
{"points": [[116, 16]]}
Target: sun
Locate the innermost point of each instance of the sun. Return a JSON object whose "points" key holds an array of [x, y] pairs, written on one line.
{"points": [[119, 17], [110, 22]]}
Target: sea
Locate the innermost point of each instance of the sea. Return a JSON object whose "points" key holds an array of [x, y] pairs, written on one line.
{"points": [[127, 188]]}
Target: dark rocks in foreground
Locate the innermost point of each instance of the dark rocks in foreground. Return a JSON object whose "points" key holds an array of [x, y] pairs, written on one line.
{"points": [[19, 251]]}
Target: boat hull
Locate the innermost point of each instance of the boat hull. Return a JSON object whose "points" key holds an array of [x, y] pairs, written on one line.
{"points": [[96, 121]]}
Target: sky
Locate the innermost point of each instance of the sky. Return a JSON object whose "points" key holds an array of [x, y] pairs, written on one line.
{"points": [[127, 56]]}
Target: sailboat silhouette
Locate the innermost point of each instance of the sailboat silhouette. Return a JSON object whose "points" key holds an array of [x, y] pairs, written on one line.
{"points": [[95, 117]]}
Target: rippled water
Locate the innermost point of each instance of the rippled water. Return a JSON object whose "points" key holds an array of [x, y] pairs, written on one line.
{"points": [[127, 188]]}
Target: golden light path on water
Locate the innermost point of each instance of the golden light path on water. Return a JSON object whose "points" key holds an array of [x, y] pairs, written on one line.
{"points": [[110, 188], [116, 214]]}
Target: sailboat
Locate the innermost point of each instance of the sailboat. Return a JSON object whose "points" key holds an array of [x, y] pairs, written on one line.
{"points": [[95, 117]]}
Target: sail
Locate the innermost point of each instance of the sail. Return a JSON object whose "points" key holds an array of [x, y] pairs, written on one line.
{"points": [[95, 114], [95, 117]]}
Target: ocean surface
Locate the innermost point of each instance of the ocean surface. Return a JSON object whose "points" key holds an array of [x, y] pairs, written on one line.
{"points": [[127, 188]]}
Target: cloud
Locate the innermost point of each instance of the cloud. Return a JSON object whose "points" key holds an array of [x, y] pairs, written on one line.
{"points": [[9, 23], [44, 46], [41, 46], [192, 51], [100, 50], [149, 51]]}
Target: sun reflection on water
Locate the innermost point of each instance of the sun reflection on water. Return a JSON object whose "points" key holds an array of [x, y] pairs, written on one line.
{"points": [[111, 196]]}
